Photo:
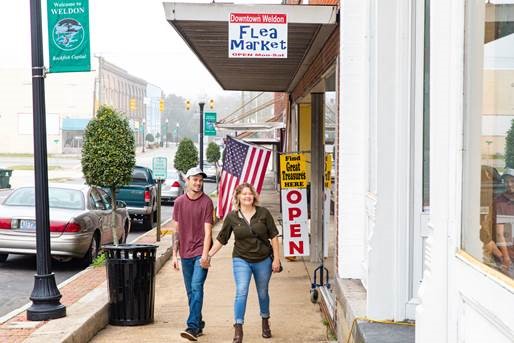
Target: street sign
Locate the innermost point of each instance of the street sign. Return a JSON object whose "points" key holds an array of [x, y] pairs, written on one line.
{"points": [[209, 122], [68, 36], [160, 167]]}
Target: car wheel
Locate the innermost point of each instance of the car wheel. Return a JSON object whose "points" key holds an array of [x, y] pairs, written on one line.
{"points": [[93, 251], [154, 216], [148, 222], [3, 257]]}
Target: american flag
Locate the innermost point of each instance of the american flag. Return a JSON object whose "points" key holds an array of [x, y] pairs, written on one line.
{"points": [[242, 162]]}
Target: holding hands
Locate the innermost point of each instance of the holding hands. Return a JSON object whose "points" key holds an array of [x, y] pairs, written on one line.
{"points": [[205, 262]]}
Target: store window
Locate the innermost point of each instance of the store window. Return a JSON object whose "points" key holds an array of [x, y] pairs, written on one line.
{"points": [[493, 244]]}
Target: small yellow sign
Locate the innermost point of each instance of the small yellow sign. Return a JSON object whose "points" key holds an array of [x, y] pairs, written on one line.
{"points": [[328, 170], [293, 171]]}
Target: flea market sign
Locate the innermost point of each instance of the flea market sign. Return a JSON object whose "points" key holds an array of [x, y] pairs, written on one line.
{"points": [[68, 36], [257, 35]]}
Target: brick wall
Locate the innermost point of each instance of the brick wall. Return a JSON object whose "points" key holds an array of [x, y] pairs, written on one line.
{"points": [[320, 65], [324, 2], [280, 103]]}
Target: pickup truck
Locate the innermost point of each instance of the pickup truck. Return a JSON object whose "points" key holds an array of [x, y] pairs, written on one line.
{"points": [[140, 195]]}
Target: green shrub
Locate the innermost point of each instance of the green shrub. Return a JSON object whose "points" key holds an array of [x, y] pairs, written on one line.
{"points": [[186, 156], [213, 153], [108, 154]]}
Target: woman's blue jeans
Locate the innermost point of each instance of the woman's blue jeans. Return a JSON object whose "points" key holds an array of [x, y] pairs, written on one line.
{"points": [[194, 279], [243, 271]]}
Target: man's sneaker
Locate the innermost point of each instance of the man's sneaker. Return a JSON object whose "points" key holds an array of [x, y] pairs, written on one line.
{"points": [[189, 334], [200, 330]]}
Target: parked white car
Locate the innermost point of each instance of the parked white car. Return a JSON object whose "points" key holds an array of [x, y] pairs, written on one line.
{"points": [[172, 187], [80, 218]]}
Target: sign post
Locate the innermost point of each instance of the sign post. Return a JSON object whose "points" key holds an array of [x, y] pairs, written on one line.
{"points": [[293, 183], [68, 36], [160, 172], [327, 202]]}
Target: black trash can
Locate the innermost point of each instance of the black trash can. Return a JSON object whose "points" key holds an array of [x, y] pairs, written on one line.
{"points": [[5, 176], [131, 279]]}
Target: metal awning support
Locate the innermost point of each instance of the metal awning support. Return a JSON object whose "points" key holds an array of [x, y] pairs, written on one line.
{"points": [[204, 27], [267, 126]]}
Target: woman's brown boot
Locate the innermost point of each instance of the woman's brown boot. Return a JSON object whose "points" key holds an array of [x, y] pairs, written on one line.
{"points": [[266, 331], [238, 333]]}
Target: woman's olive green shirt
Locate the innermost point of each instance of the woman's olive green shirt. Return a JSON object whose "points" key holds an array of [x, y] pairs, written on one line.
{"points": [[247, 245]]}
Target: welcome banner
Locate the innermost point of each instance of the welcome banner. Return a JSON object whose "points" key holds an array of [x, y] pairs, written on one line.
{"points": [[68, 36]]}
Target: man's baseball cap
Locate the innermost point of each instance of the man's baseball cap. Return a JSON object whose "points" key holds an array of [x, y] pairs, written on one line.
{"points": [[195, 171], [508, 172]]}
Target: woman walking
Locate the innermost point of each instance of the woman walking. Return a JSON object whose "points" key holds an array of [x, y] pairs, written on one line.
{"points": [[253, 254]]}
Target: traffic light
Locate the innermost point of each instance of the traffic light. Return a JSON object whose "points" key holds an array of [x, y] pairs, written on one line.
{"points": [[132, 104], [188, 105], [211, 104], [161, 105]]}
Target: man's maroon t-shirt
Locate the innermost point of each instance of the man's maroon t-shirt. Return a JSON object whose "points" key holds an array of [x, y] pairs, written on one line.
{"points": [[191, 215]]}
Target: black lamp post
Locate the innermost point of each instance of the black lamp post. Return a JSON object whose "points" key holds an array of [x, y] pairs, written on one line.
{"points": [[45, 295], [166, 134], [144, 138], [201, 104]]}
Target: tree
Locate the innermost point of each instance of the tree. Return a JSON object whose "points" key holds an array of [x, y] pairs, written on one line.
{"points": [[509, 147], [213, 153], [186, 156], [108, 154], [149, 138]]}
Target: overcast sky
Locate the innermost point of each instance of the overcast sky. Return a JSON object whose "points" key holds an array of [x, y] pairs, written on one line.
{"points": [[133, 34]]}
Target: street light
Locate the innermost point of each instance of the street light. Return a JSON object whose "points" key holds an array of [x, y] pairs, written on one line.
{"points": [[176, 132], [45, 295]]}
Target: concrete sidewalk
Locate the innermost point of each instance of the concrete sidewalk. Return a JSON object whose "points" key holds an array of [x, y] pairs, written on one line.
{"points": [[293, 317]]}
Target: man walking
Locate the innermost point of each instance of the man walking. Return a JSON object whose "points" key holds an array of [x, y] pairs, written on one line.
{"points": [[192, 216]]}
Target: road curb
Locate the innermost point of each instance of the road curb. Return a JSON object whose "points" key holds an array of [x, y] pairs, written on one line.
{"points": [[90, 314]]}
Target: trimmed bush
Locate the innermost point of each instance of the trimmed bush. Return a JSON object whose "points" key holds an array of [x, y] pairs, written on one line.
{"points": [[186, 156]]}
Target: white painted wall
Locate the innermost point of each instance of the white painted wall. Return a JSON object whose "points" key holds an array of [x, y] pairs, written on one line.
{"points": [[353, 138], [67, 95]]}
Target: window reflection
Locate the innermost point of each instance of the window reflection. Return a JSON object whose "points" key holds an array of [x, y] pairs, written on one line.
{"points": [[497, 141]]}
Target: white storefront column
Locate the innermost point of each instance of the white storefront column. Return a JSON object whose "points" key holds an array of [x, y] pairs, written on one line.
{"points": [[434, 316], [375, 152], [353, 139], [390, 160]]}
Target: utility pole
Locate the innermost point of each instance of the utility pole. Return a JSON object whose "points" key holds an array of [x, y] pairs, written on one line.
{"points": [[45, 295]]}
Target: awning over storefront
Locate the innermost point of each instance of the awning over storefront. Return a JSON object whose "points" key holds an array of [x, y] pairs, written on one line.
{"points": [[74, 124], [204, 27]]}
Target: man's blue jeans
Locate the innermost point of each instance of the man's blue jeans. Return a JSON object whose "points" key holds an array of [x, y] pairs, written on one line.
{"points": [[194, 279], [243, 271]]}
